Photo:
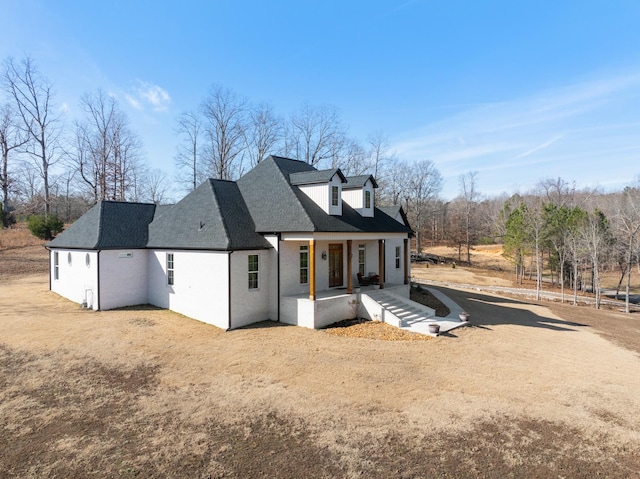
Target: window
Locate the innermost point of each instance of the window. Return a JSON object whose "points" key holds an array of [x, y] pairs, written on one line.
{"points": [[362, 250], [253, 271], [87, 260], [398, 257], [367, 199], [69, 258], [170, 278], [304, 264], [56, 269], [335, 194]]}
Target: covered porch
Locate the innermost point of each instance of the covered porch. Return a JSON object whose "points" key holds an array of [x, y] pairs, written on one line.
{"points": [[331, 306], [319, 273]]}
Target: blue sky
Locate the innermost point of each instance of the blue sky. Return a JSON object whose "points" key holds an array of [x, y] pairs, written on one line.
{"points": [[518, 91]]}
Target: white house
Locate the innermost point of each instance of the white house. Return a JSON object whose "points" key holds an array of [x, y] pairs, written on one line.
{"points": [[285, 242]]}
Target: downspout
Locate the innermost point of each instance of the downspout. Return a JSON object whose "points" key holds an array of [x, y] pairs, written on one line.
{"points": [[278, 275], [49, 267], [229, 288], [98, 279]]}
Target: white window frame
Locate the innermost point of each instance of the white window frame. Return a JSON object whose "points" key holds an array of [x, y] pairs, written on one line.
{"points": [[170, 269], [398, 256], [304, 270], [336, 190], [56, 265], [362, 265], [253, 273], [367, 199]]}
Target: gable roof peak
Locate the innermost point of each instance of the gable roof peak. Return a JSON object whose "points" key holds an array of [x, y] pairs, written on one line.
{"points": [[315, 176], [359, 181]]}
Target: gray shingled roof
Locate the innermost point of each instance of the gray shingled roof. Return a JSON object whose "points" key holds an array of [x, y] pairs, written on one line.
{"points": [[271, 199], [359, 181], [278, 206], [223, 215], [108, 225], [214, 216], [315, 176], [393, 211]]}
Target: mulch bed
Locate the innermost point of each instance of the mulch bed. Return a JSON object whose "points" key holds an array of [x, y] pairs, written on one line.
{"points": [[367, 329]]}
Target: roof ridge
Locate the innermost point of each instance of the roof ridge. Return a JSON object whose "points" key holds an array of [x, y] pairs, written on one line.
{"points": [[222, 216], [288, 180], [100, 220]]}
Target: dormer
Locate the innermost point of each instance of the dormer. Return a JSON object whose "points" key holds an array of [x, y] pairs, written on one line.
{"points": [[324, 187], [358, 193]]}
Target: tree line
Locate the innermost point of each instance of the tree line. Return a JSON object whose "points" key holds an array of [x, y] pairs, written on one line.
{"points": [[52, 166]]}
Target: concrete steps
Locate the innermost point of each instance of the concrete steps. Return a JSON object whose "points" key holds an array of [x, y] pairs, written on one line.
{"points": [[399, 311]]}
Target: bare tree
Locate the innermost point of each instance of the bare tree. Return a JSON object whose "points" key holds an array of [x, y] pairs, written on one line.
{"points": [[352, 159], [380, 154], [395, 186], [107, 152], [425, 184], [154, 186], [456, 235], [263, 134], [597, 239], [557, 191], [32, 95], [469, 195], [534, 214], [628, 228], [10, 140], [225, 125], [187, 159], [312, 133]]}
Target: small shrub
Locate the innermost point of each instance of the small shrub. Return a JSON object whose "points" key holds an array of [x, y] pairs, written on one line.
{"points": [[45, 228], [6, 217]]}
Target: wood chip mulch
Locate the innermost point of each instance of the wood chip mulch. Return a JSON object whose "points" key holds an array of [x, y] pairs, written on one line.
{"points": [[373, 330], [361, 328]]}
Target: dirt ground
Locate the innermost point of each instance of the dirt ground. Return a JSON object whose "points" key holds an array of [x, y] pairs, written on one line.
{"points": [[528, 391]]}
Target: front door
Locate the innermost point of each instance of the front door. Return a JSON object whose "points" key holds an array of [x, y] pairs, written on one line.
{"points": [[335, 265]]}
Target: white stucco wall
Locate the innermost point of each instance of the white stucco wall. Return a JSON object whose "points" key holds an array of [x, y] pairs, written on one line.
{"points": [[76, 281], [319, 313], [290, 268], [201, 285], [370, 258], [394, 275], [273, 278], [123, 278], [251, 305]]}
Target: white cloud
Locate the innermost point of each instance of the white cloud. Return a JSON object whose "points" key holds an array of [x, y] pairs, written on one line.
{"points": [[133, 102], [156, 96], [147, 94], [547, 134]]}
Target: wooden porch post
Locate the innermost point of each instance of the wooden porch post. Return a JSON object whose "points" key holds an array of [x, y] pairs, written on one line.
{"points": [[406, 261], [349, 275], [381, 262], [312, 270]]}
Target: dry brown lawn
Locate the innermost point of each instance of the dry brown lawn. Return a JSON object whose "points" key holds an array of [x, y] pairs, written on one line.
{"points": [[530, 390]]}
